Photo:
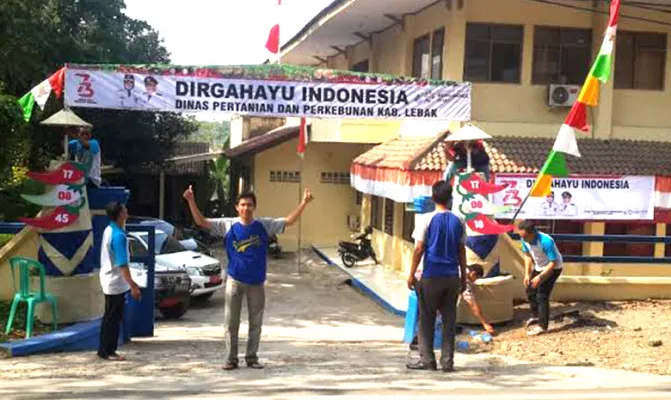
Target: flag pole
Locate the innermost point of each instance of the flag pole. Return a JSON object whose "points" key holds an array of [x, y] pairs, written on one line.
{"points": [[520, 208]]}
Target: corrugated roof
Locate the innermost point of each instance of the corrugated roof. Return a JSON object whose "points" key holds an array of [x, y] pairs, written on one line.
{"points": [[264, 142], [527, 155]]}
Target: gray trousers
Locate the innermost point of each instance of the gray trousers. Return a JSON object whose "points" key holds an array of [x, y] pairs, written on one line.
{"points": [[438, 295], [256, 298]]}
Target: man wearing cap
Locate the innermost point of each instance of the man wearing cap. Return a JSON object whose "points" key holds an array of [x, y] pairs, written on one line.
{"points": [[567, 208], [127, 96], [150, 96]]}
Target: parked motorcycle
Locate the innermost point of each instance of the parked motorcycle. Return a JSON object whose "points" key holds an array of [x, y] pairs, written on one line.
{"points": [[274, 248], [361, 249]]}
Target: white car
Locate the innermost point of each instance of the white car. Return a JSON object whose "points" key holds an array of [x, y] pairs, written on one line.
{"points": [[205, 271]]}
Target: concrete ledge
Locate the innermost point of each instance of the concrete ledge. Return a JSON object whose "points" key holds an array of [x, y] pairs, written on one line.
{"points": [[597, 288], [357, 283], [79, 337]]}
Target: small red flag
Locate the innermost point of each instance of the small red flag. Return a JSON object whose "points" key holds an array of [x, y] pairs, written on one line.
{"points": [[273, 42], [302, 139]]}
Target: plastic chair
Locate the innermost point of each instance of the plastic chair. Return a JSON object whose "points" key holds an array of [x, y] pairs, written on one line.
{"points": [[26, 266]]}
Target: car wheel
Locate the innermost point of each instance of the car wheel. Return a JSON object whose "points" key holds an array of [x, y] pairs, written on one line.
{"points": [[176, 311], [348, 260]]}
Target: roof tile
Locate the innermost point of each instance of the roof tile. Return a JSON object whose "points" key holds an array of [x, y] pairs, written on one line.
{"points": [[527, 155]]}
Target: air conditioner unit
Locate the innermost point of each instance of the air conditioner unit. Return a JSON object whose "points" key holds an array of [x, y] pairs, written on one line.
{"points": [[354, 222], [563, 95]]}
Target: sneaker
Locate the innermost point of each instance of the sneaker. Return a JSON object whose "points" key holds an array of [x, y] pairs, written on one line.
{"points": [[230, 366], [255, 365], [422, 366], [530, 321], [448, 369], [536, 330]]}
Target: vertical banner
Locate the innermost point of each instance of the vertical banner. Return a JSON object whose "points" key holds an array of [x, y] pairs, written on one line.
{"points": [[580, 198], [265, 90]]}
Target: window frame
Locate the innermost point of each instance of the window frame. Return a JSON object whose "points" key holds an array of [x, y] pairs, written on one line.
{"points": [[438, 33], [560, 46], [417, 64], [491, 42], [408, 224], [388, 217], [376, 212], [636, 35]]}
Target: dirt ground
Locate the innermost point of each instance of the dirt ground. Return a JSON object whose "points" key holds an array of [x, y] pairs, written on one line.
{"points": [[320, 337], [633, 336]]}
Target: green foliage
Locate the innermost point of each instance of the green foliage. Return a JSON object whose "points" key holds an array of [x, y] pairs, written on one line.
{"points": [[37, 37], [216, 134], [14, 143]]}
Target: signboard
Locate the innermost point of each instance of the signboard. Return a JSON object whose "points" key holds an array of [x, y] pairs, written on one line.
{"points": [[580, 198], [266, 90]]}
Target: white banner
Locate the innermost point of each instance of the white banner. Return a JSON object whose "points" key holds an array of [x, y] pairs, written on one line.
{"points": [[277, 91], [580, 198]]}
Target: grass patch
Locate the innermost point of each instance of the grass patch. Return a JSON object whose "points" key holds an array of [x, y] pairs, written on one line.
{"points": [[18, 327], [5, 238]]}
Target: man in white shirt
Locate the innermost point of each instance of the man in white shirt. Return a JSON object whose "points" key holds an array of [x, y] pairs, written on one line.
{"points": [[115, 280], [549, 207]]}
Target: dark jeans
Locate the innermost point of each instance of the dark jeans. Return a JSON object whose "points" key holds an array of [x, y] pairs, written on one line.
{"points": [[539, 298], [438, 295], [111, 323]]}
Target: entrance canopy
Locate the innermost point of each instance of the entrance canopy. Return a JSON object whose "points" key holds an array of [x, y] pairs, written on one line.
{"points": [[265, 90]]}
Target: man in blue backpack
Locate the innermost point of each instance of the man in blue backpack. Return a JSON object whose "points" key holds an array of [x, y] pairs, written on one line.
{"points": [[246, 243], [439, 238]]}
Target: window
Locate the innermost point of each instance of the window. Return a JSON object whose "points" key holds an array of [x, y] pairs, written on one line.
{"points": [[408, 224], [427, 55], [136, 248], [493, 53], [561, 55], [420, 57], [388, 217], [640, 59], [285, 176], [376, 212], [437, 45], [361, 66], [338, 178]]}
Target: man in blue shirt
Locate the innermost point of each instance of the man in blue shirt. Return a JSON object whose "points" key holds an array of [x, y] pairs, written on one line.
{"points": [[86, 150], [115, 280], [439, 238], [246, 242], [542, 266]]}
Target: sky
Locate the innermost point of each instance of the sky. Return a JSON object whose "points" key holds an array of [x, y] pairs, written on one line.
{"points": [[219, 32]]}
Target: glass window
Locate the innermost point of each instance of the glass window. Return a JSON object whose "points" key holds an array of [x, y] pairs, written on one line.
{"points": [[561, 55], [136, 248], [493, 53], [437, 46], [388, 217], [640, 59], [420, 57], [360, 66], [408, 224], [376, 212]]}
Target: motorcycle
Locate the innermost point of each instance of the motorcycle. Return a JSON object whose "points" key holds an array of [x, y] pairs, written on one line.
{"points": [[351, 252], [274, 248]]}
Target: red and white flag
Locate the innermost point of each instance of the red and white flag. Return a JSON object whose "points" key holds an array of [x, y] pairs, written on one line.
{"points": [[273, 42], [302, 138]]}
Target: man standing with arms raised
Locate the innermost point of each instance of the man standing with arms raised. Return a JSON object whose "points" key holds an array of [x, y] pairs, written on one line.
{"points": [[439, 238], [246, 243]]}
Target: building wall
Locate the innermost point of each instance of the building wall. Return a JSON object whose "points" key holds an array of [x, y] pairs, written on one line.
{"points": [[325, 220], [520, 109]]}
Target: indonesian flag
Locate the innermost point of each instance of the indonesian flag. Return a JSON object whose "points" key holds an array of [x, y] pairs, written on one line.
{"points": [[302, 138], [40, 93], [566, 143], [273, 42]]}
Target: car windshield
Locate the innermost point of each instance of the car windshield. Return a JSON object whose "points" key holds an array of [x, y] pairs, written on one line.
{"points": [[164, 243]]}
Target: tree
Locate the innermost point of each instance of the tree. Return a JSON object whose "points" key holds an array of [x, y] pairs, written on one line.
{"points": [[39, 36]]}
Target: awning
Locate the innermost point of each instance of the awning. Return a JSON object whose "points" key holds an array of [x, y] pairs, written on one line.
{"points": [[401, 169]]}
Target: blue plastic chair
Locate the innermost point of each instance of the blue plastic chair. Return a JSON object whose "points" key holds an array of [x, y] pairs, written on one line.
{"points": [[24, 293]]}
